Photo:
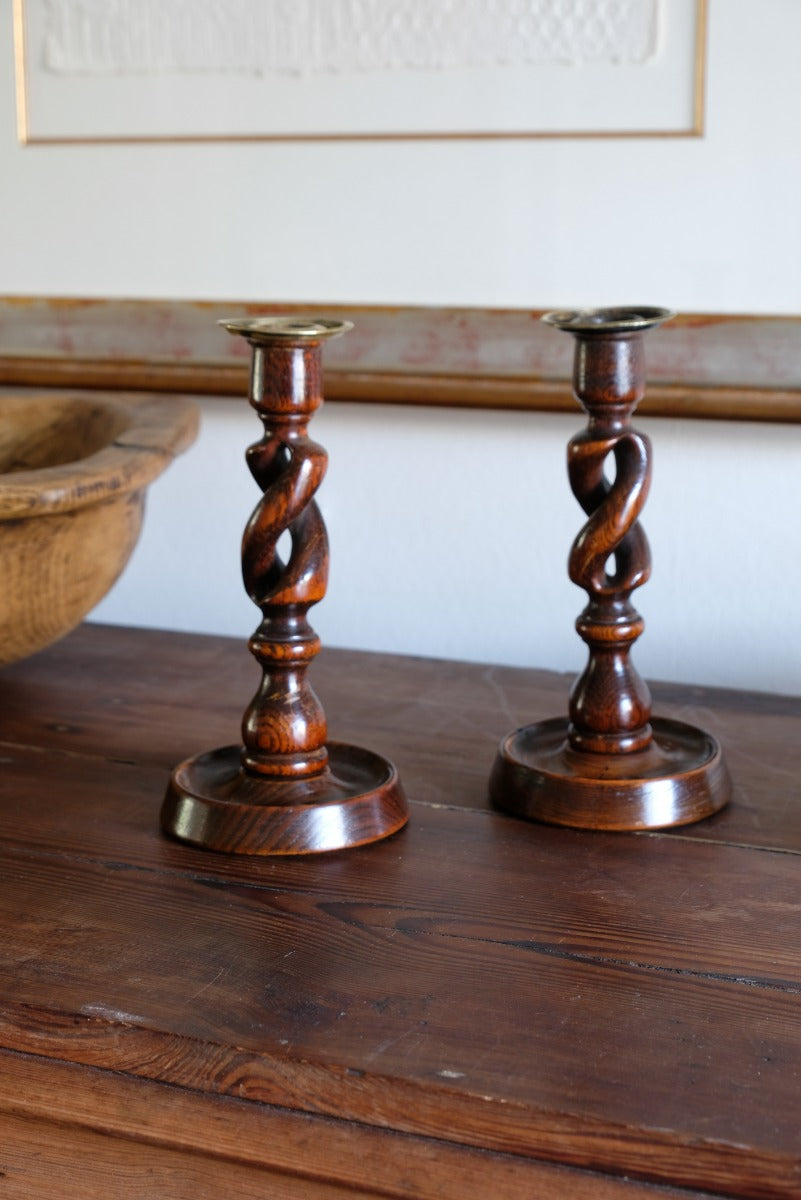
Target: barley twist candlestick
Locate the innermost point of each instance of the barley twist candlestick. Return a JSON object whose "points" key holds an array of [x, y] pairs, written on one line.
{"points": [[286, 790], [610, 766]]}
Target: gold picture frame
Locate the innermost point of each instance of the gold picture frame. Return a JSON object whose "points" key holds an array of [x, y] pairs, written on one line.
{"points": [[626, 101]]}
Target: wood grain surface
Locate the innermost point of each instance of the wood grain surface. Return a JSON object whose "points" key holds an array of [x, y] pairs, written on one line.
{"points": [[476, 1006], [180, 1143]]}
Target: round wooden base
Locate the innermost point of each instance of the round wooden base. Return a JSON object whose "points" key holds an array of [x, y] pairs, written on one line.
{"points": [[212, 802], [681, 777]]}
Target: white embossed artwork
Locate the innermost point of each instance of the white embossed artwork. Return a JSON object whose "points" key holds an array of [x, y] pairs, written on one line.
{"points": [[312, 36], [121, 69]]}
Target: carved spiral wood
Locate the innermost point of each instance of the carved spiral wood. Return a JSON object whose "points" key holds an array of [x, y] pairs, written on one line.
{"points": [[284, 727], [610, 765], [610, 705], [285, 790]]}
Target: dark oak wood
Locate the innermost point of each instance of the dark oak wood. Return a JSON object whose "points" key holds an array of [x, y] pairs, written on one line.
{"points": [[286, 790], [128, 1131], [479, 1006], [440, 721], [610, 765]]}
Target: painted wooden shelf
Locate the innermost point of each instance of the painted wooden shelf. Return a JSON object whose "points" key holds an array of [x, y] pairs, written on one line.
{"points": [[703, 365]]}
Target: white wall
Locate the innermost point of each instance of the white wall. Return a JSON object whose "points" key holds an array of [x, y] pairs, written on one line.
{"points": [[450, 533], [460, 549]]}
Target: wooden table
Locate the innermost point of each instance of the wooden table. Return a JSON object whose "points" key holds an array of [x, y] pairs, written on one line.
{"points": [[477, 1007]]}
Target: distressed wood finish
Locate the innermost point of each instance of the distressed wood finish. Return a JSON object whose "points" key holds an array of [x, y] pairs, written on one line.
{"points": [[724, 367], [286, 790], [610, 765], [160, 1140], [479, 1006]]}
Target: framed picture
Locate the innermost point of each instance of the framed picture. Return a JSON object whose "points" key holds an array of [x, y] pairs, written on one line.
{"points": [[163, 70]]}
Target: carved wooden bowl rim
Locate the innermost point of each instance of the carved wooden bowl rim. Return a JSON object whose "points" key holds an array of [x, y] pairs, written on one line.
{"points": [[146, 433]]}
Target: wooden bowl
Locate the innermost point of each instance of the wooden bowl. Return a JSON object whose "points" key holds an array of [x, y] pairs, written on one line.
{"points": [[74, 470]]}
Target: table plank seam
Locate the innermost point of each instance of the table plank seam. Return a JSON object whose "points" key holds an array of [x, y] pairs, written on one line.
{"points": [[574, 1137]]}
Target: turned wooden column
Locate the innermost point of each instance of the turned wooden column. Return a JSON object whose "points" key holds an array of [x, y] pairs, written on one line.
{"points": [[286, 789], [610, 765]]}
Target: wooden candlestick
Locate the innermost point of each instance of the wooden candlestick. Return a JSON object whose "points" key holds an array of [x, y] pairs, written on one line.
{"points": [[286, 790], [610, 766]]}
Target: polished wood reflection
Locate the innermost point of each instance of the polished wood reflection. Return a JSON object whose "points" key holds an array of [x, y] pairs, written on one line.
{"points": [[609, 765], [479, 1006], [285, 790]]}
